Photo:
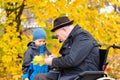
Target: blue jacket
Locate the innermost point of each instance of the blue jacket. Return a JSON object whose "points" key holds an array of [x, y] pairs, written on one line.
{"points": [[28, 68]]}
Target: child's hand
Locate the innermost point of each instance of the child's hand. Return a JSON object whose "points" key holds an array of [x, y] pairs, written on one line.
{"points": [[45, 56], [48, 60], [26, 79], [52, 56]]}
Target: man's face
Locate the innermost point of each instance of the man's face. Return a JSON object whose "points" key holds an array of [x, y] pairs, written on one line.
{"points": [[61, 34]]}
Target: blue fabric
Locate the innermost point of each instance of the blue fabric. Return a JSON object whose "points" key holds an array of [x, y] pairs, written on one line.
{"points": [[38, 34], [36, 68], [42, 50], [24, 76]]}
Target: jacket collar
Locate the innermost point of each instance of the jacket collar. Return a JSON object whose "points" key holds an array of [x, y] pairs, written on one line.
{"points": [[74, 31], [32, 45], [71, 36]]}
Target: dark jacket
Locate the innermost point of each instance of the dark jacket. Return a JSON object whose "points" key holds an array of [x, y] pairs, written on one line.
{"points": [[29, 55], [79, 53]]}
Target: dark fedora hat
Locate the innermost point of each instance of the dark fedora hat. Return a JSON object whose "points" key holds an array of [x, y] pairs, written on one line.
{"points": [[61, 22]]}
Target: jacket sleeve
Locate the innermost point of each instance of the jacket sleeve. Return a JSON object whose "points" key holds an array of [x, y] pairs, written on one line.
{"points": [[80, 49], [26, 61]]}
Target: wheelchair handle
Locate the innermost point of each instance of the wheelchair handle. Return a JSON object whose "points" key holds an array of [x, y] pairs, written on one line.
{"points": [[115, 46]]}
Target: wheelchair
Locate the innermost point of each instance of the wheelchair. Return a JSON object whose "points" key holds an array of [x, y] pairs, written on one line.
{"points": [[95, 75]]}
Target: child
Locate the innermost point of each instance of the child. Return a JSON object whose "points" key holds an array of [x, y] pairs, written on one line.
{"points": [[35, 48]]}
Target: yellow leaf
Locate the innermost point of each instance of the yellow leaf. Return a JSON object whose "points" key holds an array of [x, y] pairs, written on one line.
{"points": [[38, 60]]}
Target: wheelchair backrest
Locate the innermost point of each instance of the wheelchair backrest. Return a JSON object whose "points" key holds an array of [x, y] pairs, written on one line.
{"points": [[104, 54], [103, 58]]}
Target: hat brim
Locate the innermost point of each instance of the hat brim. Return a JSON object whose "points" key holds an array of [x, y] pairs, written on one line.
{"points": [[62, 25]]}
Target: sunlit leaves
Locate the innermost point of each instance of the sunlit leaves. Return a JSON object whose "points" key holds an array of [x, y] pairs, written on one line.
{"points": [[38, 60], [104, 27]]}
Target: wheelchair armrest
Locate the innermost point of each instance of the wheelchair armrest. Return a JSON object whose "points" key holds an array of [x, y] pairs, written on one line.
{"points": [[90, 75]]}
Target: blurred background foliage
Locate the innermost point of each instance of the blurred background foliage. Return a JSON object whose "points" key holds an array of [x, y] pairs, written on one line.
{"points": [[19, 17]]}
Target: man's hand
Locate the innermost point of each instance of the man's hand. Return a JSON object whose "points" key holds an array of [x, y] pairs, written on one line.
{"points": [[48, 60], [26, 79]]}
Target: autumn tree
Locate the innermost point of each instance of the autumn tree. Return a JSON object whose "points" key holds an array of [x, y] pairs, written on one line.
{"points": [[104, 27]]}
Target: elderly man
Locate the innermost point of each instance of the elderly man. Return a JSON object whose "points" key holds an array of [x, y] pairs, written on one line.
{"points": [[79, 50]]}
